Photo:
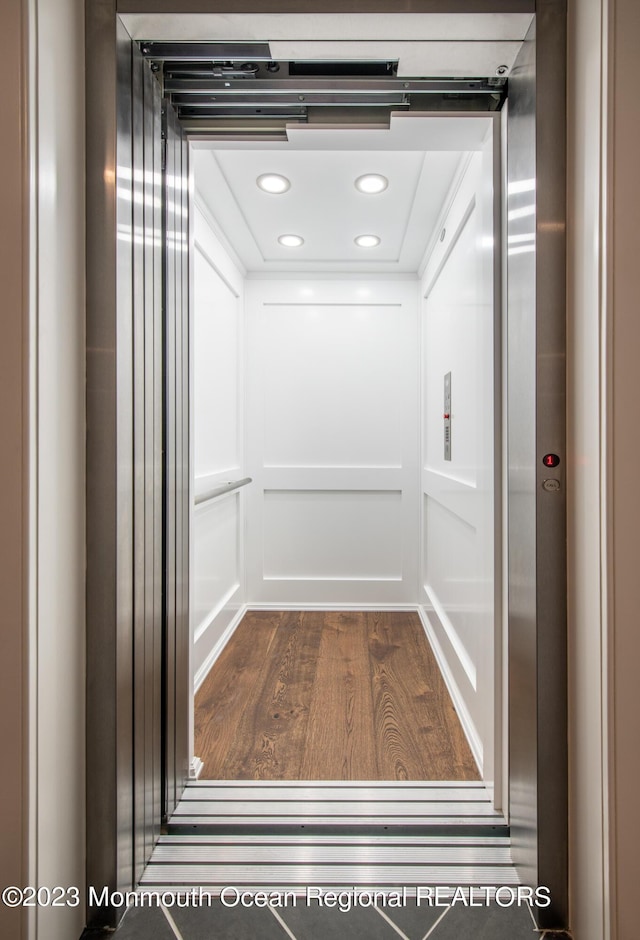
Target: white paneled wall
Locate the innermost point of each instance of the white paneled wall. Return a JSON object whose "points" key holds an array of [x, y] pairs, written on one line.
{"points": [[457, 566], [217, 594], [332, 413]]}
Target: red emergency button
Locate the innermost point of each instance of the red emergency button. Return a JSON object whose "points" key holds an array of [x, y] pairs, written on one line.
{"points": [[551, 460], [446, 415]]}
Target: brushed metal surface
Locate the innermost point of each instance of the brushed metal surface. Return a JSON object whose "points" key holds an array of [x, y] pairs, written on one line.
{"points": [[319, 808], [176, 188], [264, 805], [124, 459], [138, 468], [110, 804], [221, 490], [264, 794], [221, 839], [345, 854], [284, 874], [536, 425], [269, 822]]}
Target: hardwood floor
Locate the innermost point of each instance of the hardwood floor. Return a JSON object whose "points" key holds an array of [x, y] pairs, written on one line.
{"points": [[326, 695]]}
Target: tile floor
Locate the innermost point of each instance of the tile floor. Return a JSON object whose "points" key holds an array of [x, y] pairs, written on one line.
{"points": [[302, 922]]}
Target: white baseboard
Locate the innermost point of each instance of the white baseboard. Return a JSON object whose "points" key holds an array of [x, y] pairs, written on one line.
{"points": [[195, 768], [468, 726], [202, 627], [205, 668], [268, 605]]}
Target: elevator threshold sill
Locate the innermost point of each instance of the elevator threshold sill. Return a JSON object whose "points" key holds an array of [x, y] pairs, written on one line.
{"points": [[426, 785], [333, 793], [211, 853], [219, 876], [338, 823], [312, 809], [296, 839]]}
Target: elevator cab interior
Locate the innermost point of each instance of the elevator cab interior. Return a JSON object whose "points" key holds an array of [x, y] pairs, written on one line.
{"points": [[346, 329]]}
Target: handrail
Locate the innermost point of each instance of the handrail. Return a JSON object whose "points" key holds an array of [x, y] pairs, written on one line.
{"points": [[221, 490]]}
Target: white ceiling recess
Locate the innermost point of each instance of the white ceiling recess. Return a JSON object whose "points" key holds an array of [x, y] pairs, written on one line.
{"points": [[418, 154]]}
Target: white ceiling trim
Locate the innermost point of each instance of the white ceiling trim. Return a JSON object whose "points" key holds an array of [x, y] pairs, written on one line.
{"points": [[238, 27]]}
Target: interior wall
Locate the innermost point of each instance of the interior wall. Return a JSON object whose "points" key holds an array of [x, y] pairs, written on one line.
{"points": [[332, 444], [14, 472], [218, 441], [42, 180], [458, 526], [622, 211]]}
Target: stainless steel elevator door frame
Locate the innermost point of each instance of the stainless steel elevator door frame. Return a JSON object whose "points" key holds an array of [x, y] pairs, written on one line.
{"points": [[536, 422], [536, 425], [137, 485]]}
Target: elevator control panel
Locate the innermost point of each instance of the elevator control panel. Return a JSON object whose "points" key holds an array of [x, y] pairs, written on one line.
{"points": [[447, 416], [551, 484]]}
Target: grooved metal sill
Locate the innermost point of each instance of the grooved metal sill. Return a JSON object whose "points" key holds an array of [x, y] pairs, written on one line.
{"points": [[332, 833]]}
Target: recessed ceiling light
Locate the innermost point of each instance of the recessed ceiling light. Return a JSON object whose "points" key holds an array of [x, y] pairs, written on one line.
{"points": [[291, 241], [367, 241], [371, 183], [273, 183]]}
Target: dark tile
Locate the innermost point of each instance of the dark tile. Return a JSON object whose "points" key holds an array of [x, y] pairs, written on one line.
{"points": [[96, 933], [217, 922], [413, 920], [322, 923], [144, 923], [486, 923]]}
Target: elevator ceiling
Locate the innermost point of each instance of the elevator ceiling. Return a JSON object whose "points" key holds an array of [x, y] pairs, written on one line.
{"points": [[419, 157]]}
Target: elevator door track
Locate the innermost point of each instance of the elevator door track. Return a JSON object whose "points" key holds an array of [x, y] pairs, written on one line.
{"points": [[291, 834], [219, 88]]}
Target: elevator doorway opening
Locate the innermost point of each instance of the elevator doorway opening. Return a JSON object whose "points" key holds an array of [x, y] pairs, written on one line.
{"points": [[356, 383], [368, 494]]}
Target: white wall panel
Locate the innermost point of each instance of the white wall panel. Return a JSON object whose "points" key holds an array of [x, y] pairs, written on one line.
{"points": [[216, 556], [332, 440], [216, 371], [452, 346], [458, 538], [217, 313], [451, 563], [332, 535], [216, 572], [217, 581], [333, 386]]}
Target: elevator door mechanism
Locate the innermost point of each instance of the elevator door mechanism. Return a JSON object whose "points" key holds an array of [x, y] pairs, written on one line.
{"points": [[219, 88]]}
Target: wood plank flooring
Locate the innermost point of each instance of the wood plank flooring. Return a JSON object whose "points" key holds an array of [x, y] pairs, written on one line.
{"points": [[329, 695]]}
